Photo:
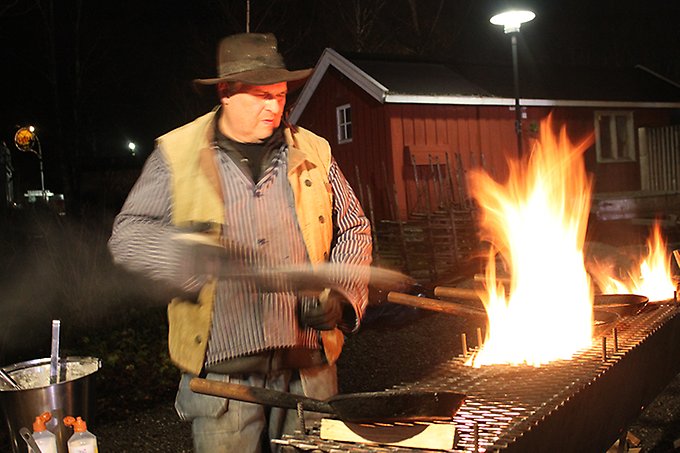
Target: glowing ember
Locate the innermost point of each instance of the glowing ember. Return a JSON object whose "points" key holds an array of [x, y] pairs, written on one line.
{"points": [[653, 280], [537, 221]]}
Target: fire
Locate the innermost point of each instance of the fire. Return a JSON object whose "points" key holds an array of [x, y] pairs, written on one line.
{"points": [[537, 221], [654, 278]]}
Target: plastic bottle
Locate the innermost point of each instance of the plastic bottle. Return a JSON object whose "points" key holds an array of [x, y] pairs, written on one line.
{"points": [[43, 438], [82, 441]]}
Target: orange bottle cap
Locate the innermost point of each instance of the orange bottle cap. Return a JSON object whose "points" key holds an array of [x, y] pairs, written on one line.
{"points": [[40, 420], [78, 424]]}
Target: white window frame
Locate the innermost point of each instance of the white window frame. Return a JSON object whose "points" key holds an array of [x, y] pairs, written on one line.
{"points": [[615, 154], [344, 126]]}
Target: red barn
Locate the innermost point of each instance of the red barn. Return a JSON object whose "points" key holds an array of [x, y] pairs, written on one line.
{"points": [[406, 133], [415, 128]]}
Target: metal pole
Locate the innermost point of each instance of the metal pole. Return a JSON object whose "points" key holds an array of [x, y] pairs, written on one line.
{"points": [[518, 110], [38, 153], [42, 179]]}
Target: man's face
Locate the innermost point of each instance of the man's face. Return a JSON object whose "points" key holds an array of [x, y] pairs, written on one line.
{"points": [[252, 112]]}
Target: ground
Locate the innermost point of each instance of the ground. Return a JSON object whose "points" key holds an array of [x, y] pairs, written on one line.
{"points": [[135, 387], [382, 355], [122, 321]]}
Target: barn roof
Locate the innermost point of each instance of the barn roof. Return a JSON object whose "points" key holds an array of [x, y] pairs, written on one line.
{"points": [[390, 80], [625, 84], [417, 78]]}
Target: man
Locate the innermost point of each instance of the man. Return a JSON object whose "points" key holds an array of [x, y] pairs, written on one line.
{"points": [[271, 196]]}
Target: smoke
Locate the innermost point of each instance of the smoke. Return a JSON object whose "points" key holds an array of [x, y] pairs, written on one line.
{"points": [[55, 267]]}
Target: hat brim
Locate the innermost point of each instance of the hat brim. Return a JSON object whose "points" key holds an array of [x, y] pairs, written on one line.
{"points": [[260, 77]]}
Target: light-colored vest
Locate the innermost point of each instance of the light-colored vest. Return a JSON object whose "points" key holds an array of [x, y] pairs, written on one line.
{"points": [[198, 197]]}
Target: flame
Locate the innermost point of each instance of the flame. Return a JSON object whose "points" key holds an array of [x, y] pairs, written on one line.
{"points": [[654, 278], [537, 221], [604, 273]]}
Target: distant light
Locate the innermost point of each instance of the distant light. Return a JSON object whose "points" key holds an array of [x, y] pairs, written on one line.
{"points": [[512, 20], [132, 146]]}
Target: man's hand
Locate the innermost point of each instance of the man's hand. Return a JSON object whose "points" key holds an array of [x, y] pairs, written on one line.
{"points": [[323, 313]]}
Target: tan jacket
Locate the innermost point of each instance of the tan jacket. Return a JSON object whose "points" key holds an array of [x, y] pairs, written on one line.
{"points": [[198, 197]]}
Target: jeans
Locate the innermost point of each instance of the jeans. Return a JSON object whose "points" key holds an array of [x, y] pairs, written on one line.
{"points": [[220, 425]]}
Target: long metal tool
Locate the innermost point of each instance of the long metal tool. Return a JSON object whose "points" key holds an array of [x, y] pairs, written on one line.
{"points": [[456, 293], [9, 380], [435, 305], [229, 263], [54, 357], [30, 441], [325, 275], [388, 405], [415, 180]]}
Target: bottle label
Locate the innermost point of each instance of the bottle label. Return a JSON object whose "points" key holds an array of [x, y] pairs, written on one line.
{"points": [[83, 449], [47, 445], [89, 447]]}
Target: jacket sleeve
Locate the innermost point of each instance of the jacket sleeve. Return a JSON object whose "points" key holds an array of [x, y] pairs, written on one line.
{"points": [[352, 242], [141, 240]]}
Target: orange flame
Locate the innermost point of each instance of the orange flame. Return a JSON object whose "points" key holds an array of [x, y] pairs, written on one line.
{"points": [[537, 221], [654, 279]]}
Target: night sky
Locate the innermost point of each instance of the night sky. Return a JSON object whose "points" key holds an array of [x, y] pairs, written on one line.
{"points": [[91, 77]]}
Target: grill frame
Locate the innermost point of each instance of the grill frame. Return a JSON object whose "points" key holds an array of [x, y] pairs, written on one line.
{"points": [[582, 404]]}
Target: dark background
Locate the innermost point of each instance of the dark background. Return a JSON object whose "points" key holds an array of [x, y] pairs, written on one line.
{"points": [[92, 76]]}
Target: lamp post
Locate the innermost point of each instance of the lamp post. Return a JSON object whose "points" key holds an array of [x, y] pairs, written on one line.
{"points": [[27, 140], [511, 21]]}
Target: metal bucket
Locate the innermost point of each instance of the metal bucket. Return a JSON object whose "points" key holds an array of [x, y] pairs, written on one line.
{"points": [[71, 395]]}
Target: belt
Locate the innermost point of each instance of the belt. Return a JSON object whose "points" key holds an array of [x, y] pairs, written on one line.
{"points": [[268, 361]]}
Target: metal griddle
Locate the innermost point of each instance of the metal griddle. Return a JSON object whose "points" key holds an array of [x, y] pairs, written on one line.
{"points": [[576, 405]]}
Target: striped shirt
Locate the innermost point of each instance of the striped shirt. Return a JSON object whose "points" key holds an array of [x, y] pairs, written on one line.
{"points": [[260, 216]]}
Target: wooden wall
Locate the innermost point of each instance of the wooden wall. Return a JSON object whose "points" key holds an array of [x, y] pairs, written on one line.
{"points": [[472, 136], [386, 135], [580, 123]]}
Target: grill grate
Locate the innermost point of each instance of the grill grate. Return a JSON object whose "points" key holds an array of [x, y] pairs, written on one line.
{"points": [[504, 403]]}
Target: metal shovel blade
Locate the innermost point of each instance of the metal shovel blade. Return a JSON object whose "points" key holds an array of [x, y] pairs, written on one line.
{"points": [[386, 406], [397, 405], [623, 304]]}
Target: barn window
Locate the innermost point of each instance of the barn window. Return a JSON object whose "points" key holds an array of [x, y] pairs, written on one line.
{"points": [[614, 136], [344, 119]]}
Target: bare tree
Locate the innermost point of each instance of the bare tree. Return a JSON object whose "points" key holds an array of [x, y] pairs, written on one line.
{"points": [[423, 28], [15, 8], [69, 51], [360, 18], [412, 27]]}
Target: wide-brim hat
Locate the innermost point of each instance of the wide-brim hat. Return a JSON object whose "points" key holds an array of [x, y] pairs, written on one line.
{"points": [[252, 58]]}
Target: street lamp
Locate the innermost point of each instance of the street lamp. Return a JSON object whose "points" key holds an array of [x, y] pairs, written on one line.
{"points": [[27, 140], [512, 21]]}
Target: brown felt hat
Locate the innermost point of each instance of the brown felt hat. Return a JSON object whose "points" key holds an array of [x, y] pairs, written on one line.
{"points": [[252, 58]]}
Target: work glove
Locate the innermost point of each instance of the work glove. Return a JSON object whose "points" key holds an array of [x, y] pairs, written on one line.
{"points": [[323, 312]]}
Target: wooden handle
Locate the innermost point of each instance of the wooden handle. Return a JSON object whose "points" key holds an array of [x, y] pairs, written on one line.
{"points": [[257, 395], [441, 306], [456, 293], [500, 279]]}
